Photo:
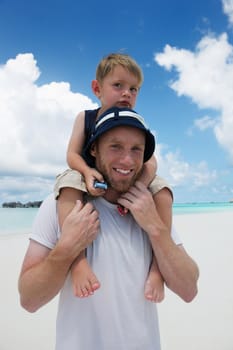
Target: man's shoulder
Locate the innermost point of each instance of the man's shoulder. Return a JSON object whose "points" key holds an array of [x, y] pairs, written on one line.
{"points": [[49, 203]]}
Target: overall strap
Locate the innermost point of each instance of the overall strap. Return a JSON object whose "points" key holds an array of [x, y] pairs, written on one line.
{"points": [[90, 118]]}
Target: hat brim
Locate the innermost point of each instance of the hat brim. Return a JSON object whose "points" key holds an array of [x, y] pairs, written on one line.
{"points": [[124, 121]]}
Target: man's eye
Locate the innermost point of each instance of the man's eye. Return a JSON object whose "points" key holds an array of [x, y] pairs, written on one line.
{"points": [[138, 149]]}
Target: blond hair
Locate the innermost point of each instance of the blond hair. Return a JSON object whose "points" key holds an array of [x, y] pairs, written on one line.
{"points": [[109, 62]]}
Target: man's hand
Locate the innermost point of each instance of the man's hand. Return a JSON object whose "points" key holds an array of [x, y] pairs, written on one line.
{"points": [[141, 205], [79, 229], [179, 271], [44, 270]]}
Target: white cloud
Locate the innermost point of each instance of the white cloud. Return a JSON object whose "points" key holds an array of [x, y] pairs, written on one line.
{"points": [[228, 9], [202, 175], [35, 125], [36, 121], [180, 173], [24, 188], [204, 123], [205, 76]]}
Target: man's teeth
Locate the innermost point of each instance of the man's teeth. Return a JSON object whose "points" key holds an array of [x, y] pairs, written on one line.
{"points": [[122, 171]]}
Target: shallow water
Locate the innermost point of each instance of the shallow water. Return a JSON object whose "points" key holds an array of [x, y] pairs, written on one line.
{"points": [[19, 220]]}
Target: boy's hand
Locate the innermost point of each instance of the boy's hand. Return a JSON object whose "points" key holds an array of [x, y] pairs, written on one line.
{"points": [[90, 178]]}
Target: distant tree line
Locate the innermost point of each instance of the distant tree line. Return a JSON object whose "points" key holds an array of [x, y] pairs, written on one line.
{"points": [[35, 204]]}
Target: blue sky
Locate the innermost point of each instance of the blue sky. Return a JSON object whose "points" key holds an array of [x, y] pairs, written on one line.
{"points": [[48, 55]]}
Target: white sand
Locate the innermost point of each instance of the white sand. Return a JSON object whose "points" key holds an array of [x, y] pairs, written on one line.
{"points": [[207, 322], [204, 324], [18, 328]]}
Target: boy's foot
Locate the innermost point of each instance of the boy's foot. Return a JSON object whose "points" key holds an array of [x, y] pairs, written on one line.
{"points": [[154, 287], [85, 282]]}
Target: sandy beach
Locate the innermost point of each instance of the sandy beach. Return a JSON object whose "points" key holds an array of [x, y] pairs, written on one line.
{"points": [[204, 324], [20, 329]]}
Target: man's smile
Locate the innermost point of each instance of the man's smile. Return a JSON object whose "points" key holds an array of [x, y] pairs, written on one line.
{"points": [[123, 171]]}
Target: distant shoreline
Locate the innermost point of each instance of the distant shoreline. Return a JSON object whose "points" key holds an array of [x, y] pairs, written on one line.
{"points": [[35, 204]]}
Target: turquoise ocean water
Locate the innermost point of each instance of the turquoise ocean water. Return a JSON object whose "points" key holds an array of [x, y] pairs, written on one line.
{"points": [[19, 220], [16, 220], [192, 208]]}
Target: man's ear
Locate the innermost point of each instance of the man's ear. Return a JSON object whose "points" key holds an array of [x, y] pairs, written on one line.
{"points": [[93, 150], [95, 85]]}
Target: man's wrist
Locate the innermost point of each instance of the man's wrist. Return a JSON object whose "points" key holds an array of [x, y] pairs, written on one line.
{"points": [[62, 256]]}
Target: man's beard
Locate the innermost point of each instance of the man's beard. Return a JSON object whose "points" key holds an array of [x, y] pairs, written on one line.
{"points": [[121, 186]]}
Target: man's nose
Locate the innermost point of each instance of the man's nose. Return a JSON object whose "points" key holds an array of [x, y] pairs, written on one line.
{"points": [[127, 158]]}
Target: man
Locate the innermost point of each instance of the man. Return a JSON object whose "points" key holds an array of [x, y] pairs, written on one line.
{"points": [[117, 316]]}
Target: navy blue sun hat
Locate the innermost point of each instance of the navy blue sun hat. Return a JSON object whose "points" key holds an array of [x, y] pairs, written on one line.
{"points": [[114, 117]]}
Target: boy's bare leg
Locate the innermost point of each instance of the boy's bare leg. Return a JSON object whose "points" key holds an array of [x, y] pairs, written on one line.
{"points": [[154, 286], [84, 280]]}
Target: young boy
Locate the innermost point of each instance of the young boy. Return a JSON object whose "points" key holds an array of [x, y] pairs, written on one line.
{"points": [[118, 81]]}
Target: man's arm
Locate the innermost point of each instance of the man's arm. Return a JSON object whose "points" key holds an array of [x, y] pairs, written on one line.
{"points": [[178, 269], [44, 271]]}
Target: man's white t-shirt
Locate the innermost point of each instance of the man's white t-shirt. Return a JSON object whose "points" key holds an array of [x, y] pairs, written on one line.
{"points": [[117, 316]]}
